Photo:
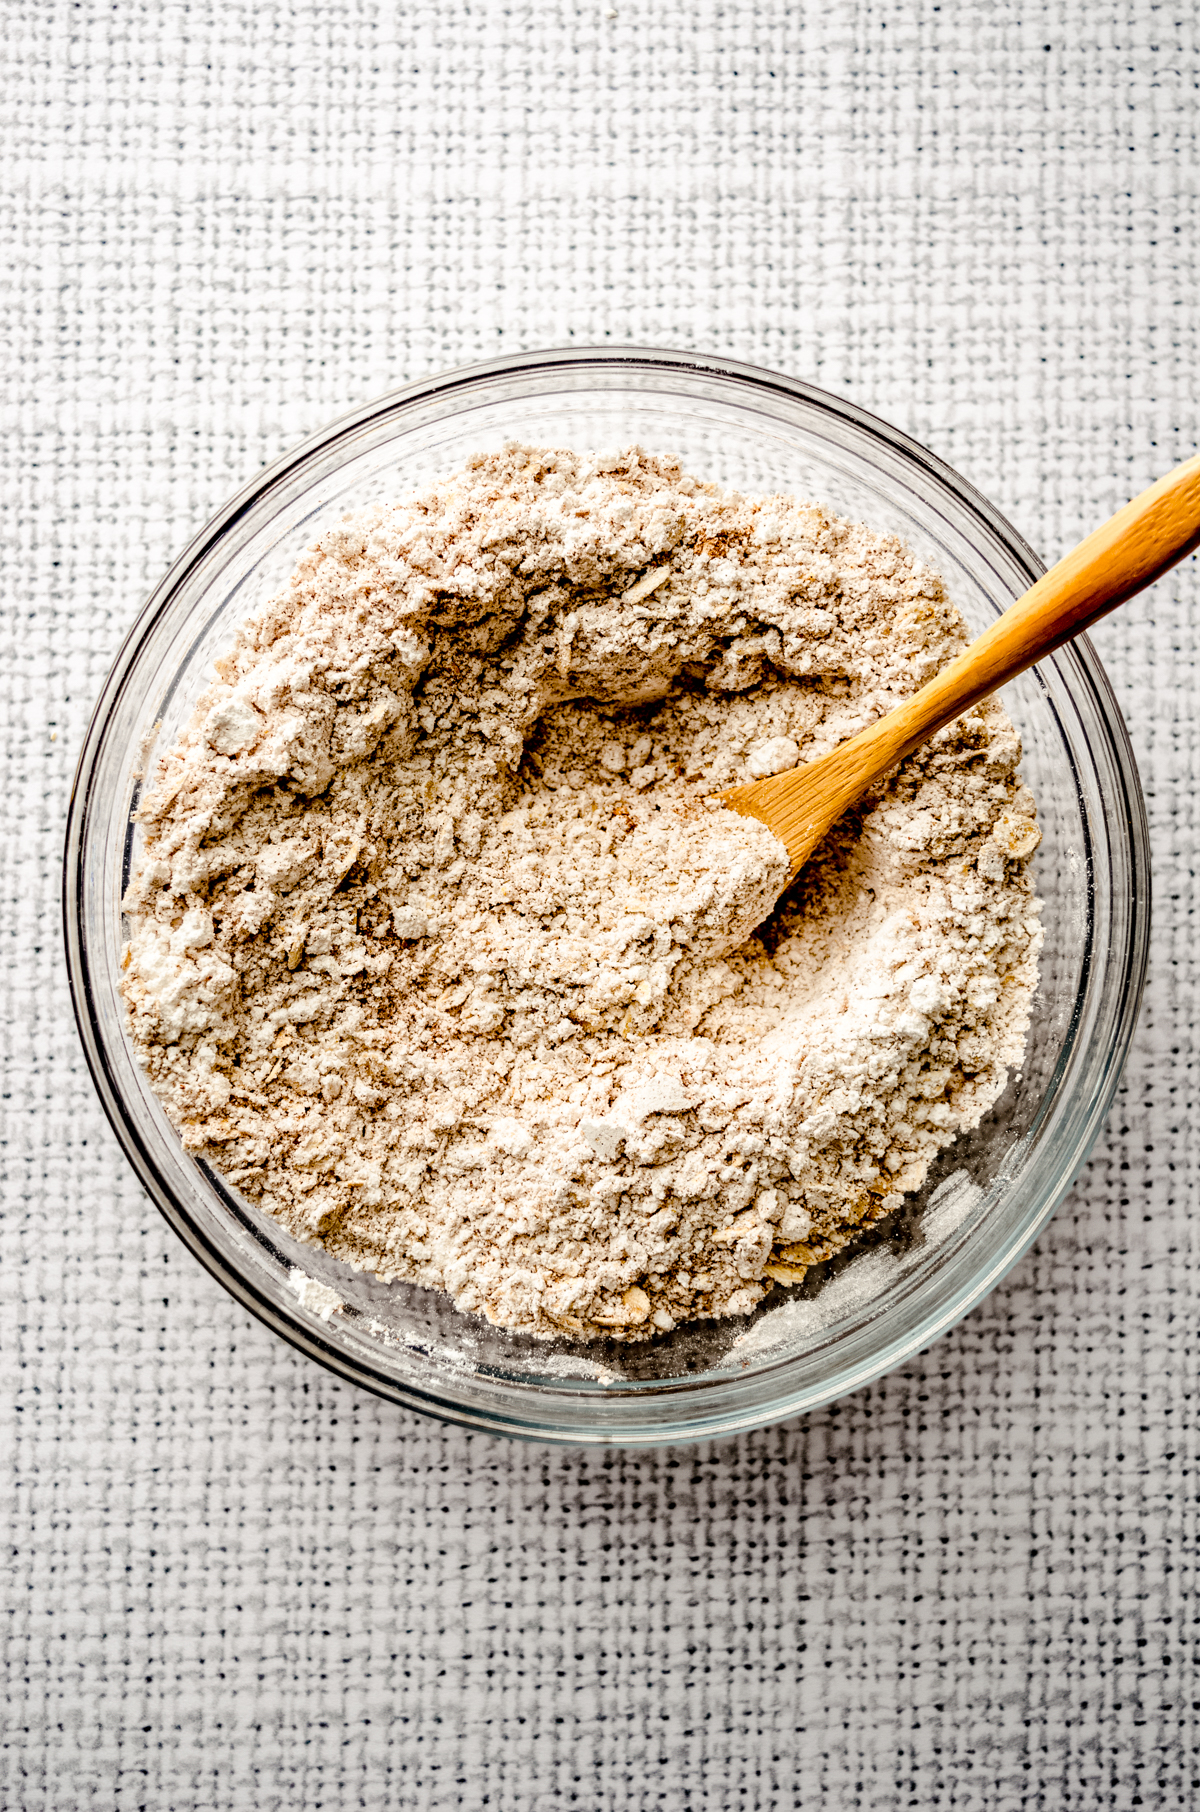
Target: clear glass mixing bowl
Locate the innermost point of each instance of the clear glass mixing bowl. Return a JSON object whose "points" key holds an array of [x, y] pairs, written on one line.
{"points": [[990, 1194]]}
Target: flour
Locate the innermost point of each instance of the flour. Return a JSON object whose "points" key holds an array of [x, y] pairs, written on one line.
{"points": [[315, 1295], [441, 951]]}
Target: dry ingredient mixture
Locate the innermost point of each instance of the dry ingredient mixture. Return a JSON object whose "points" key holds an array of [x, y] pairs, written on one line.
{"points": [[442, 953]]}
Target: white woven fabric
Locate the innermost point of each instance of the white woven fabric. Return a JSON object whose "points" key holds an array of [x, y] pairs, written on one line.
{"points": [[238, 1584]]}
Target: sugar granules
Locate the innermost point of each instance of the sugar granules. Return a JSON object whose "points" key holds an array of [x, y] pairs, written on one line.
{"points": [[441, 952]]}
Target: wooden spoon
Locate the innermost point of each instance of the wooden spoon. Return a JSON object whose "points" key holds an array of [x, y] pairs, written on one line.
{"points": [[1120, 558]]}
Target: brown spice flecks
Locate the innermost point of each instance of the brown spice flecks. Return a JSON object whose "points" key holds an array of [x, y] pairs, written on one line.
{"points": [[440, 952]]}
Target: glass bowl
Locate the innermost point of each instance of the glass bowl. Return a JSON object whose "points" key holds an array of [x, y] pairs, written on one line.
{"points": [[990, 1193]]}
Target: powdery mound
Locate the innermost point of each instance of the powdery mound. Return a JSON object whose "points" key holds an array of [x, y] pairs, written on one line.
{"points": [[442, 953]]}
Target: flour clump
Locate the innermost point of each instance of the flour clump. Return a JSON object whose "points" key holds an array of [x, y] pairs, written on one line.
{"points": [[441, 951]]}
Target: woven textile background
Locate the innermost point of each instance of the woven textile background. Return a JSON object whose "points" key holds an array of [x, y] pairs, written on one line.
{"points": [[236, 1583]]}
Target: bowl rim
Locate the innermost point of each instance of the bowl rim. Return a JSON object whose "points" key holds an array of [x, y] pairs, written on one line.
{"points": [[294, 1330]]}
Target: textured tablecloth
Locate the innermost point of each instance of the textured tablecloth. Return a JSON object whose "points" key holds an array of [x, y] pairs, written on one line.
{"points": [[236, 1583]]}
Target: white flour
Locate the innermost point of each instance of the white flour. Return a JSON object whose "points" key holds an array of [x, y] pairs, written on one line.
{"points": [[440, 951]]}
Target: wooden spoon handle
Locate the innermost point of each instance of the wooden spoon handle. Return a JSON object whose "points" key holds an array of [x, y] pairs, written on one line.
{"points": [[1127, 553]]}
